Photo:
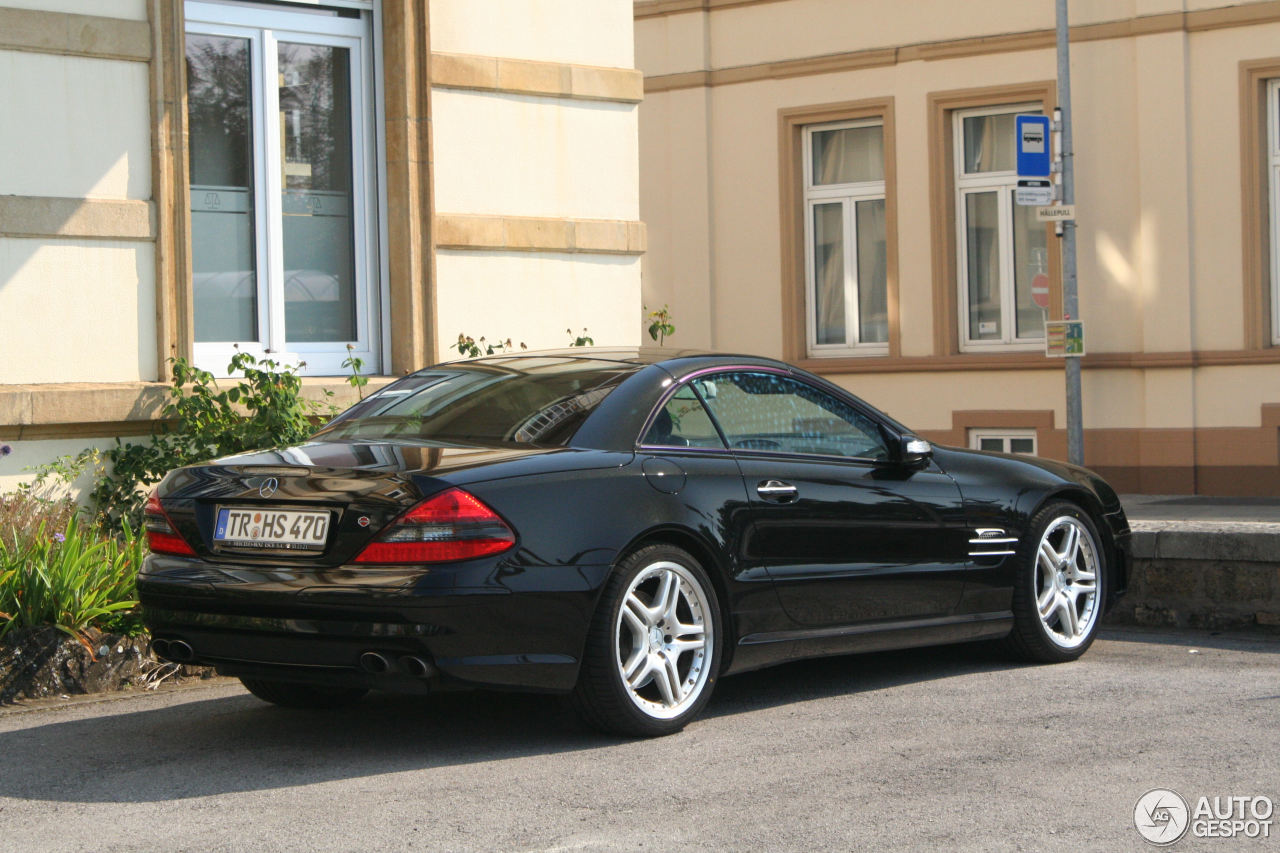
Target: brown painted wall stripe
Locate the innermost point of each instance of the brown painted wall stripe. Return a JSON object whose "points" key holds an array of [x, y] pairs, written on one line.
{"points": [[41, 216], [74, 35], [529, 77], [538, 234], [659, 8], [1198, 21]]}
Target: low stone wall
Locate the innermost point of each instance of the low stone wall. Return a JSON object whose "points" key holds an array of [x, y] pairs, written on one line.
{"points": [[44, 663], [1203, 574]]}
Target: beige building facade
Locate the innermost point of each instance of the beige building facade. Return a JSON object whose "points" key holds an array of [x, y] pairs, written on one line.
{"points": [[181, 179], [831, 182]]}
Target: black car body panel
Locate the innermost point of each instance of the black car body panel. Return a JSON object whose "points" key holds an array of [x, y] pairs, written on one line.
{"points": [[872, 553]]}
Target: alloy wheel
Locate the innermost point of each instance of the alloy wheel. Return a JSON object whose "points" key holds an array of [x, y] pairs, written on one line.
{"points": [[664, 634], [1066, 585]]}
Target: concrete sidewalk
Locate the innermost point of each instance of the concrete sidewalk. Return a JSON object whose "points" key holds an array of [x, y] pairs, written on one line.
{"points": [[1153, 508], [1205, 562]]}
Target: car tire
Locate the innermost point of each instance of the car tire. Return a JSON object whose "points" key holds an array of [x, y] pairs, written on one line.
{"points": [[1060, 587], [653, 650], [288, 694]]}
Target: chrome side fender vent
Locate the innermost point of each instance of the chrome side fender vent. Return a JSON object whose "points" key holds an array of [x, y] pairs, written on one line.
{"points": [[992, 542]]}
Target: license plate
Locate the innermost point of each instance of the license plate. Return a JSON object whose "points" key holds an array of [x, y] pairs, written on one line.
{"points": [[283, 529]]}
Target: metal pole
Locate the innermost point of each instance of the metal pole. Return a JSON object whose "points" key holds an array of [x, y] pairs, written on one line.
{"points": [[1070, 301]]}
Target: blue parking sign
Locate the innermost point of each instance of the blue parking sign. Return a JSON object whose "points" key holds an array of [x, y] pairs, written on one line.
{"points": [[1034, 156]]}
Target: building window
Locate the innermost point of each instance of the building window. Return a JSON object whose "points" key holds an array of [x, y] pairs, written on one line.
{"points": [[1004, 440], [846, 250], [282, 176], [1000, 245], [1273, 173]]}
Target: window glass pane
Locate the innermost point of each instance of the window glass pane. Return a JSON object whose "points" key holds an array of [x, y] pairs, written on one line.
{"points": [[989, 144], [1030, 257], [315, 130], [982, 239], [482, 403], [683, 422], [1022, 445], [224, 281], [873, 272], [996, 444], [848, 155], [765, 411], [828, 273]]}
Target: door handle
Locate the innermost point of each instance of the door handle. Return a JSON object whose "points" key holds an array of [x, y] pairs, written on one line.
{"points": [[777, 491]]}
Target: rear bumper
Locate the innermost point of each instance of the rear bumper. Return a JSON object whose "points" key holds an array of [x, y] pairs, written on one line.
{"points": [[482, 623]]}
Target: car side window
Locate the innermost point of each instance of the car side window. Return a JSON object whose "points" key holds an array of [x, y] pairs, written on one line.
{"points": [[683, 422], [767, 411]]}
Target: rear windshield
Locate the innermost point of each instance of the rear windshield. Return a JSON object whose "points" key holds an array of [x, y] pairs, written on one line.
{"points": [[539, 401]]}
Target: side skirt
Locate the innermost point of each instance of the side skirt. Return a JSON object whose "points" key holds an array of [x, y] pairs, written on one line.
{"points": [[766, 649]]}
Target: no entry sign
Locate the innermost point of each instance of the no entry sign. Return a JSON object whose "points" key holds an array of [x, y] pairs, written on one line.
{"points": [[1040, 290]]}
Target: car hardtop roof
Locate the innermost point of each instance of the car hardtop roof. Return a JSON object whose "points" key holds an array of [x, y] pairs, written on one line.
{"points": [[677, 362]]}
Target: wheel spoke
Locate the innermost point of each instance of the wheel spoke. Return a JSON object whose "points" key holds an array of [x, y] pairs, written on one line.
{"points": [[679, 647], [1046, 602], [668, 587], [635, 622], [1071, 545], [668, 681], [671, 600], [1067, 616], [643, 668], [632, 666], [1047, 558], [638, 610]]}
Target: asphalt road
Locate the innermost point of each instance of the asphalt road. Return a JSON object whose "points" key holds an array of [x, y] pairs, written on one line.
{"points": [[939, 749]]}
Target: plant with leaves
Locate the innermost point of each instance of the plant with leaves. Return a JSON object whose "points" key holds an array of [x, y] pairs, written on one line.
{"points": [[582, 340], [660, 325], [469, 347], [74, 580], [202, 420], [356, 380]]}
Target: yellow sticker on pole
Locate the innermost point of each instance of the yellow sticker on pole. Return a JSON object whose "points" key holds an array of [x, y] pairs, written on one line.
{"points": [[1064, 339]]}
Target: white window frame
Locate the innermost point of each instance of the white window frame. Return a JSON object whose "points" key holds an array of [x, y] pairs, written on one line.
{"points": [[848, 195], [265, 26], [1003, 184], [976, 435], [1273, 173]]}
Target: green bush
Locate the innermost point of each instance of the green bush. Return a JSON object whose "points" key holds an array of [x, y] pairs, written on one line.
{"points": [[204, 421], [74, 579]]}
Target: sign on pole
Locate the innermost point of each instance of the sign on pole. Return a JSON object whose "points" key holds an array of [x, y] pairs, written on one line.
{"points": [[1033, 146], [1057, 213], [1064, 339], [1033, 193], [1040, 290]]}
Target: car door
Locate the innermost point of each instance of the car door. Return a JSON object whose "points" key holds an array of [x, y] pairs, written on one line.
{"points": [[848, 535]]}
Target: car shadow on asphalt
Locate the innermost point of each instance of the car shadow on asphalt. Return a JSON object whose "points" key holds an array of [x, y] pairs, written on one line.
{"points": [[236, 743]]}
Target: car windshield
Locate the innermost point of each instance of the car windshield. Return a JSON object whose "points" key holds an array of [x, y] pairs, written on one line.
{"points": [[538, 401]]}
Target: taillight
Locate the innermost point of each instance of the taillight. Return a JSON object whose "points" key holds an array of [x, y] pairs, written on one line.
{"points": [[453, 525], [161, 537]]}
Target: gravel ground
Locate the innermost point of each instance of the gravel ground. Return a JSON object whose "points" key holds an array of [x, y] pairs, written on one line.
{"points": [[951, 748]]}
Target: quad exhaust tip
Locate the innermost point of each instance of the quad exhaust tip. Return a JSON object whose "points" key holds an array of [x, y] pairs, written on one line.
{"points": [[178, 651], [415, 667], [374, 663]]}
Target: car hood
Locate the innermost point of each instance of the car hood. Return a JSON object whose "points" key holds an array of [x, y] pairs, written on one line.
{"points": [[977, 465]]}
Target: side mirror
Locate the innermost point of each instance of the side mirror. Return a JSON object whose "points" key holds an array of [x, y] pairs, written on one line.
{"points": [[914, 450]]}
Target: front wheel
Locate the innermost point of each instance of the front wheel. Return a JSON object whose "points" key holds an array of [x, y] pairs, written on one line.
{"points": [[290, 695], [654, 646], [1058, 592]]}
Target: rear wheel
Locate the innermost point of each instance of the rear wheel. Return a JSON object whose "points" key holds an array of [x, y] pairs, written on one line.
{"points": [[290, 695], [654, 647], [1058, 592]]}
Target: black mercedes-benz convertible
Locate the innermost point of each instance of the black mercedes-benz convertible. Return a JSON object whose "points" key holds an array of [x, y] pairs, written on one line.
{"points": [[622, 526]]}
